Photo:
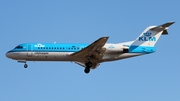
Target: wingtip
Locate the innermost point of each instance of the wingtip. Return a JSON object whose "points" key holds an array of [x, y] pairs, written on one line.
{"points": [[105, 37], [171, 22], [167, 24]]}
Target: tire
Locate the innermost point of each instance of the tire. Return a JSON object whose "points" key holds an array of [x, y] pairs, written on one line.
{"points": [[87, 70], [25, 65]]}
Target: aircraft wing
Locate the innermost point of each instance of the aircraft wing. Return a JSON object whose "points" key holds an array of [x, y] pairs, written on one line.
{"points": [[94, 51]]}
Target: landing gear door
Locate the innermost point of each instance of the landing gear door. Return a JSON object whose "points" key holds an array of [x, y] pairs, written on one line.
{"points": [[29, 50]]}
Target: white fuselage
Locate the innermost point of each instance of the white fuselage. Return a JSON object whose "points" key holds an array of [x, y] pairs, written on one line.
{"points": [[113, 52]]}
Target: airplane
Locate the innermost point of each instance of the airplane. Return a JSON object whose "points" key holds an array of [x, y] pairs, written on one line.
{"points": [[91, 55]]}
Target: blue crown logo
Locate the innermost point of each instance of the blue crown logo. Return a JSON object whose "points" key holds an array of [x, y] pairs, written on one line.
{"points": [[147, 34]]}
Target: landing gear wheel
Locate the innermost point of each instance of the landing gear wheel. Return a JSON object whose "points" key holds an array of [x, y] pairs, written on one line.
{"points": [[25, 65], [88, 64], [87, 70]]}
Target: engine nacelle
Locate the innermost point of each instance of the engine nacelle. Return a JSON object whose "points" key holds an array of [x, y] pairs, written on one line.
{"points": [[125, 49], [116, 48]]}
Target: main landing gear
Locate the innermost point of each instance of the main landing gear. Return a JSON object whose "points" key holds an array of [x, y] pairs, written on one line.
{"points": [[88, 66]]}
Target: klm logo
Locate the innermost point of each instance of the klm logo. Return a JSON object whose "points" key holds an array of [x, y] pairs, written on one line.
{"points": [[147, 37], [147, 34], [39, 45]]}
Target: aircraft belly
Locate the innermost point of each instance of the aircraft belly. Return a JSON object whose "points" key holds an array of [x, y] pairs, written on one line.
{"points": [[113, 57], [44, 56]]}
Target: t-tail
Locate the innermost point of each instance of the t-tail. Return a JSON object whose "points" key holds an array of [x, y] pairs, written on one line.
{"points": [[148, 38], [151, 34]]}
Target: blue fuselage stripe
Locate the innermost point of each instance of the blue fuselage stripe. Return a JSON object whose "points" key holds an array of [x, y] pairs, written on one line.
{"points": [[142, 49], [46, 47]]}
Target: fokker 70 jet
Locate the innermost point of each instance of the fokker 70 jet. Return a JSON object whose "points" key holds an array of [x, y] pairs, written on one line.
{"points": [[90, 55]]}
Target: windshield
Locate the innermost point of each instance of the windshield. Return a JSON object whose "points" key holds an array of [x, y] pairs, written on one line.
{"points": [[18, 47]]}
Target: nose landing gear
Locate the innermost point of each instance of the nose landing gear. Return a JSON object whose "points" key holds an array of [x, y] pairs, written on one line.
{"points": [[23, 61], [25, 65]]}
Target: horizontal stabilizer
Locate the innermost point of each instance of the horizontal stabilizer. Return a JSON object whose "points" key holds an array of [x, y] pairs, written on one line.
{"points": [[162, 27]]}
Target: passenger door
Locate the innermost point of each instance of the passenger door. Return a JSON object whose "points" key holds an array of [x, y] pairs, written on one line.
{"points": [[29, 50]]}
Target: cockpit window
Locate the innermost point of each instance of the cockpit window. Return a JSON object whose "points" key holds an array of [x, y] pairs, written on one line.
{"points": [[18, 47]]}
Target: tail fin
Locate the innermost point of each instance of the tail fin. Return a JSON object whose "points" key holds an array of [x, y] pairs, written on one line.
{"points": [[151, 34]]}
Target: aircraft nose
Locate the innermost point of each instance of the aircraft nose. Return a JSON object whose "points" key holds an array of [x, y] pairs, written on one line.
{"points": [[9, 54]]}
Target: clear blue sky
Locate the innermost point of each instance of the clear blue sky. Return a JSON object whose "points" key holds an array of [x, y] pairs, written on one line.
{"points": [[154, 77]]}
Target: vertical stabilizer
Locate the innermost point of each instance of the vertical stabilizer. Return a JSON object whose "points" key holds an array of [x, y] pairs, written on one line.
{"points": [[151, 34]]}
